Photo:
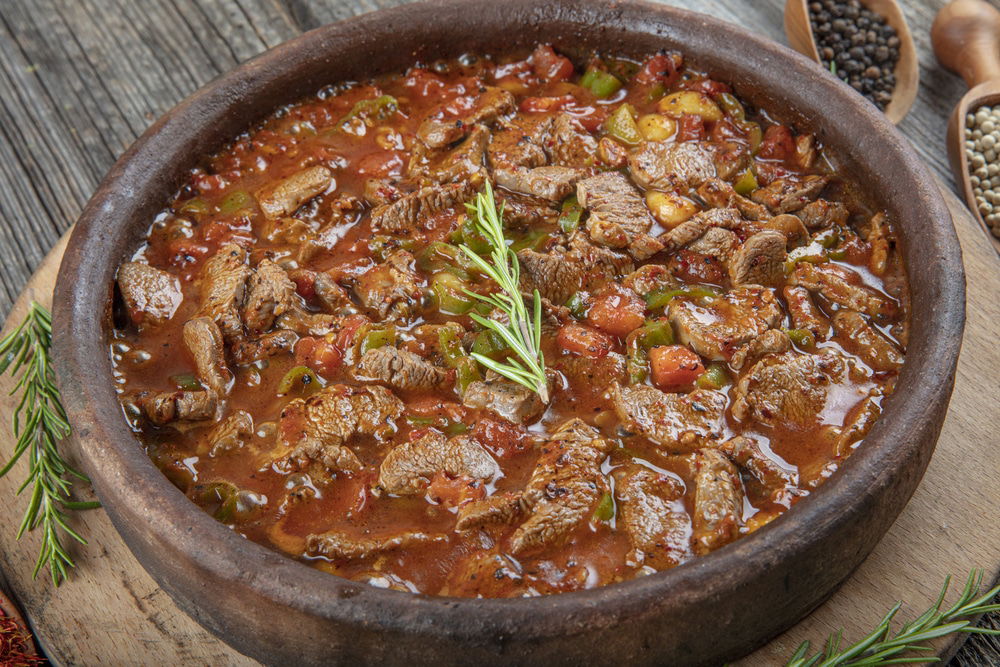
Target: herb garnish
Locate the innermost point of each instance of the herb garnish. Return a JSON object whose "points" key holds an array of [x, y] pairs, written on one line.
{"points": [[522, 333], [39, 424]]}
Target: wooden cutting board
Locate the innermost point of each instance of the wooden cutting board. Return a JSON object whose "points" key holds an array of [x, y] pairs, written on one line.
{"points": [[111, 612]]}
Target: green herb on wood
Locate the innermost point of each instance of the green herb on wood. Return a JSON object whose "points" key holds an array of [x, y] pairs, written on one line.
{"points": [[883, 647], [39, 424]]}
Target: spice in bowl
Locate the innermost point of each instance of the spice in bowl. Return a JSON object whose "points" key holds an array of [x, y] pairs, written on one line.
{"points": [[982, 149], [857, 45]]}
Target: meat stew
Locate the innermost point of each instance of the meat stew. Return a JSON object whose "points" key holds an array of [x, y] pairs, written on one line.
{"points": [[722, 314]]}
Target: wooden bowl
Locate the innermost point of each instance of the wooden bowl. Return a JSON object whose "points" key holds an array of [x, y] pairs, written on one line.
{"points": [[798, 29], [705, 611]]}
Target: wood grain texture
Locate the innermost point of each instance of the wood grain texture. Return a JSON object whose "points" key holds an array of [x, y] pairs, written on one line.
{"points": [[80, 79]]}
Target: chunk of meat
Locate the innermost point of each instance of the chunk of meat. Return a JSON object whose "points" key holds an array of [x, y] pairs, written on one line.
{"points": [[720, 194], [747, 453], [821, 214], [788, 390], [229, 434], [879, 238], [774, 341], [281, 198], [861, 338], [245, 352], [651, 507], [760, 260], [462, 162], [269, 294], [512, 401], [790, 227], [316, 429], [857, 424], [391, 290], [439, 130], [588, 375], [618, 216], [677, 422], [558, 274], [716, 242], [337, 545], [564, 487], [331, 296], [787, 196], [718, 502], [695, 228], [569, 145], [551, 183], [520, 212], [666, 165], [171, 406], [381, 191], [204, 341], [151, 295], [521, 143], [305, 323], [501, 508], [223, 283], [717, 330], [804, 313], [410, 210], [408, 468], [485, 574], [400, 369], [843, 287], [650, 277]]}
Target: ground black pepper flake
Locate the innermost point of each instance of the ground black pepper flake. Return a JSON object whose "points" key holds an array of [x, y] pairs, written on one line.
{"points": [[857, 45]]}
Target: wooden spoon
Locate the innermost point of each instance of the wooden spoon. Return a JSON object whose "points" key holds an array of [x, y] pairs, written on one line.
{"points": [[798, 29], [966, 39]]}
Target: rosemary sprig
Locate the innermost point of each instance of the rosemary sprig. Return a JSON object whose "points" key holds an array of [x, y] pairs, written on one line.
{"points": [[39, 424], [883, 647], [523, 333]]}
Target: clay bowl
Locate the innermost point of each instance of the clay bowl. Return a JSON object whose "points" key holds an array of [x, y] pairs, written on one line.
{"points": [[708, 610]]}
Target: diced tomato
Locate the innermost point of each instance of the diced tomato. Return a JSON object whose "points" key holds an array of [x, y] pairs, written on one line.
{"points": [[696, 267], [617, 311], [349, 328], [206, 183], [690, 128], [545, 104], [502, 438], [591, 118], [584, 341], [725, 130], [305, 282], [661, 68], [549, 65], [318, 354], [381, 164], [707, 86], [777, 144], [452, 492], [423, 83], [673, 366]]}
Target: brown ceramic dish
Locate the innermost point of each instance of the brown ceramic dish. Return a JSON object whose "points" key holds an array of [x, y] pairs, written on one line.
{"points": [[702, 612]]}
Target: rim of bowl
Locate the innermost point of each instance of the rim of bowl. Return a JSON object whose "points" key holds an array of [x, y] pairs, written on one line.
{"points": [[82, 301]]}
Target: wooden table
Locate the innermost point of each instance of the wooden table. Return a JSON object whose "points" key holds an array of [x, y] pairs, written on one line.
{"points": [[80, 79]]}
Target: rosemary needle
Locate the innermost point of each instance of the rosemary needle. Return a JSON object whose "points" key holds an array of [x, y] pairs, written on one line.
{"points": [[39, 424], [522, 333]]}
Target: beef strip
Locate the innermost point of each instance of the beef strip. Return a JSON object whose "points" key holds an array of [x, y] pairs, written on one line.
{"points": [[306, 323], [270, 294], [663, 165], [331, 296], [618, 216], [512, 401], [804, 313], [465, 161], [337, 545], [676, 422], [245, 352], [787, 196], [790, 227], [821, 214], [378, 191], [486, 574], [843, 287], [569, 145], [718, 502], [281, 198], [391, 290], [591, 375], [151, 295], [170, 406], [520, 143], [867, 342], [746, 452], [229, 434], [564, 487], [650, 277], [400, 369], [223, 283], [407, 212], [693, 229], [774, 341], [521, 212], [408, 468], [438, 131], [857, 424], [558, 274], [500, 508], [316, 429], [717, 330], [720, 194], [716, 242], [788, 390], [551, 183], [203, 340], [760, 260], [651, 507]]}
